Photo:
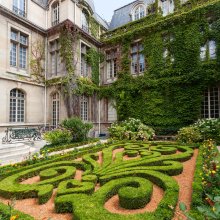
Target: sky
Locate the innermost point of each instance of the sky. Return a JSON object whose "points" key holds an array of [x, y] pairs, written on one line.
{"points": [[105, 8]]}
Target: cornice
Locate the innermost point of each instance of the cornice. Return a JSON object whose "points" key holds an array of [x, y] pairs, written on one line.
{"points": [[51, 31], [76, 28], [23, 21]]}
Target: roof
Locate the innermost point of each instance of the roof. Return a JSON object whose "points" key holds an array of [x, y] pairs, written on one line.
{"points": [[122, 15], [101, 21], [42, 3]]}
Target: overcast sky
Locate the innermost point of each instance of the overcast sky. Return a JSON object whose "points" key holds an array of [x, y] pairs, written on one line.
{"points": [[105, 8]]}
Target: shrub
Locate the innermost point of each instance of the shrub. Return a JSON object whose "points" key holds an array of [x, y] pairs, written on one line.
{"points": [[77, 127], [209, 129], [203, 129], [58, 136], [189, 135], [131, 129]]}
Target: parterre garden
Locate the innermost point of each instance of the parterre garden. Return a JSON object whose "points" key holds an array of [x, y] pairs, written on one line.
{"points": [[127, 169]]}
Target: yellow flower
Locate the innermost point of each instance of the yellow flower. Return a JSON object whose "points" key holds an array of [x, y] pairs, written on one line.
{"points": [[213, 171], [14, 217]]}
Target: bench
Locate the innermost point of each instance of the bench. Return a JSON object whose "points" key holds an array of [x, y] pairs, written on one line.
{"points": [[165, 138], [21, 134]]}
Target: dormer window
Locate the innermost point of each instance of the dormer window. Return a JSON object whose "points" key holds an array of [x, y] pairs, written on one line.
{"points": [[167, 7], [85, 21], [139, 12], [55, 13]]}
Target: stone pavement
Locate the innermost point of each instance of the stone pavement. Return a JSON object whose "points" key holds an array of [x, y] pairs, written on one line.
{"points": [[18, 151]]}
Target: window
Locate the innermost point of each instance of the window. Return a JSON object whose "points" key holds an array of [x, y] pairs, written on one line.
{"points": [[139, 12], [55, 109], [111, 59], [167, 54], [183, 1], [112, 113], [19, 7], [17, 105], [55, 13], [55, 59], [208, 51], [85, 22], [210, 104], [137, 58], [167, 7], [85, 68], [84, 108], [19, 49], [212, 49]]}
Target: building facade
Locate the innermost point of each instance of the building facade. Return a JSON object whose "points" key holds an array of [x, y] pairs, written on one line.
{"points": [[30, 57], [141, 45]]}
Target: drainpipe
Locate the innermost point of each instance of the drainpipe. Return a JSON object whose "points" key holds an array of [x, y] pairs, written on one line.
{"points": [[99, 108], [74, 12], [45, 75]]}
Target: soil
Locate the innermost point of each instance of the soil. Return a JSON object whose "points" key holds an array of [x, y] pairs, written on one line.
{"points": [[39, 212], [46, 211], [185, 181]]}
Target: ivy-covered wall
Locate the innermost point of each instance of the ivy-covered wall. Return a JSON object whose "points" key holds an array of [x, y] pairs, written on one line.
{"points": [[169, 94]]}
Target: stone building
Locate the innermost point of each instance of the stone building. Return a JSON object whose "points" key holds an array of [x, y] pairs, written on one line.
{"points": [[31, 53], [30, 31]]}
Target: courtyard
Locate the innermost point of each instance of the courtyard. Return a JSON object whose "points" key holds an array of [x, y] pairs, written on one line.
{"points": [[109, 110]]}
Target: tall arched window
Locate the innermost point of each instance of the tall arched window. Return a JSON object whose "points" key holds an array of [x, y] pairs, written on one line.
{"points": [[139, 12], [85, 21], [17, 105], [55, 13], [56, 109], [84, 104]]}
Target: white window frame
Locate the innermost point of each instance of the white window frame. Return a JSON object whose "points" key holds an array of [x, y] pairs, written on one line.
{"points": [[211, 103], [112, 111], [139, 12], [56, 67], [20, 42], [137, 67], [85, 21], [208, 51], [55, 13], [85, 68], [167, 55], [19, 7], [167, 7], [55, 109], [111, 64], [84, 108], [17, 106]]}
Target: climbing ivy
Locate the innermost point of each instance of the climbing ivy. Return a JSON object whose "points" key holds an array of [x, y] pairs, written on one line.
{"points": [[66, 41], [94, 57], [169, 94], [85, 86]]}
